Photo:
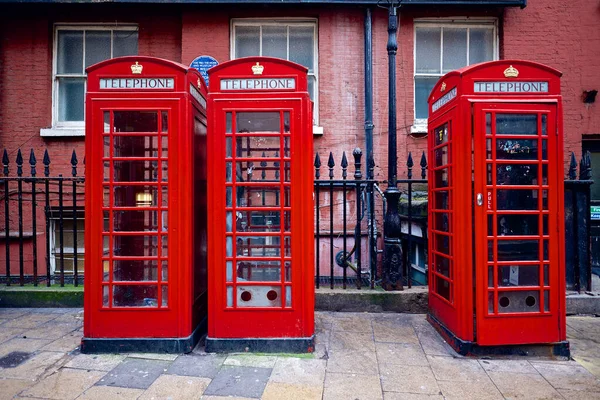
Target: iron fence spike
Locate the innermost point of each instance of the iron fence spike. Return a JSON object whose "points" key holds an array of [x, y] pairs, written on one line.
{"points": [[317, 161], [344, 163], [423, 164], [19, 163], [32, 162], [5, 162], [409, 162], [330, 162], [46, 163]]}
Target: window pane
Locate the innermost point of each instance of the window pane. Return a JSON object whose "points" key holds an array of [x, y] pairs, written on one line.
{"points": [[274, 41], [423, 87], [481, 45], [247, 41], [311, 86], [135, 121], [125, 43], [70, 52], [455, 49], [97, 47], [428, 50], [71, 92], [301, 46]]}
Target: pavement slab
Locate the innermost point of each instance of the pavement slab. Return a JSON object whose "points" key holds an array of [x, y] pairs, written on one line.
{"points": [[306, 372], [136, 373], [29, 321], [394, 331], [64, 384], [44, 362], [411, 396], [67, 343], [20, 344], [408, 379], [12, 387], [200, 365], [9, 333], [110, 393], [287, 391], [456, 369], [154, 356], [572, 376], [250, 360], [401, 353], [352, 362], [352, 386], [523, 386], [480, 389], [176, 387], [520, 366], [351, 341], [50, 331], [352, 322], [239, 381], [95, 362]]}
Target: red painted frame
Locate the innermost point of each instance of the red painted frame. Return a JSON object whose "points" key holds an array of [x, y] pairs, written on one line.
{"points": [[186, 282], [465, 111], [233, 320]]}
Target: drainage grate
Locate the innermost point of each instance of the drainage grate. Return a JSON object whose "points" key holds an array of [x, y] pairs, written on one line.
{"points": [[14, 359]]}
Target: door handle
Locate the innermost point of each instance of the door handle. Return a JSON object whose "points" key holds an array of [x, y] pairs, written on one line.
{"points": [[479, 199]]}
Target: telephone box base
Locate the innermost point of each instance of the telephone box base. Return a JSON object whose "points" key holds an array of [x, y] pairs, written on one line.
{"points": [[144, 345], [468, 348], [267, 345]]}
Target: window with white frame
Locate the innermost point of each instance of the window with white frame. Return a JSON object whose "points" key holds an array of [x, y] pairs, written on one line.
{"points": [[291, 39], [442, 46], [75, 49]]}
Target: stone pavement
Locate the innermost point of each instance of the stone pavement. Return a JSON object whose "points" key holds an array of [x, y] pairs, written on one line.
{"points": [[358, 356]]}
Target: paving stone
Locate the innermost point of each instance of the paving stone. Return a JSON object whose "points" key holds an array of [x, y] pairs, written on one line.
{"points": [[578, 394], [299, 371], [352, 322], [9, 333], [66, 344], [524, 386], [351, 341], [286, 391], [110, 393], [64, 384], [176, 387], [401, 353], [12, 387], [205, 397], [517, 366], [480, 389], [20, 344], [29, 321], [352, 386], [572, 376], [408, 379], [154, 356], [411, 396], [135, 373], [392, 331], [11, 313], [97, 362], [239, 381], [250, 360], [33, 368], [49, 331], [206, 365], [352, 362], [455, 369]]}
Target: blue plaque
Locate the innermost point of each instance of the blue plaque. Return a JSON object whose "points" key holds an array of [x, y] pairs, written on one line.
{"points": [[202, 64]]}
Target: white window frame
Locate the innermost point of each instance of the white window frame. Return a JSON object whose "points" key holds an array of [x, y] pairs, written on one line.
{"points": [[310, 22], [420, 124], [69, 251], [74, 128]]}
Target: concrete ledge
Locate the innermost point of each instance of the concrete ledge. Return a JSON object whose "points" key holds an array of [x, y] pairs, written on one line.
{"points": [[412, 300], [586, 303], [41, 296]]}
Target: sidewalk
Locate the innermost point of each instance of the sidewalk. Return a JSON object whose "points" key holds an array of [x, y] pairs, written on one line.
{"points": [[358, 356]]}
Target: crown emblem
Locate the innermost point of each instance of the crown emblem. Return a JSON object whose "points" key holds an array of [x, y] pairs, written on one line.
{"points": [[443, 87], [511, 72], [136, 68], [257, 69]]}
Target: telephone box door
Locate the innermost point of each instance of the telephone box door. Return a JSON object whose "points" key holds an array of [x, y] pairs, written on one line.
{"points": [[518, 242], [259, 290]]}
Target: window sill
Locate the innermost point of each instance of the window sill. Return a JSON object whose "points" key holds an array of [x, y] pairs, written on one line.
{"points": [[419, 128], [61, 132], [317, 130]]}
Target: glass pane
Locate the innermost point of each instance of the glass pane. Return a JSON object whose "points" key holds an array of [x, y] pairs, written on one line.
{"points": [[69, 58], [256, 171], [517, 199], [164, 115], [524, 250], [517, 302], [442, 287], [441, 156], [259, 271], [257, 122], [441, 134], [288, 273], [259, 296], [136, 270], [516, 124], [423, 87], [455, 49], [509, 225], [136, 196], [544, 124], [135, 296], [427, 50], [97, 47], [518, 174], [258, 146], [258, 221], [164, 250], [258, 246], [287, 246], [442, 265], [135, 171], [229, 296], [441, 200], [106, 121], [312, 82], [228, 147], [228, 122], [302, 46], [261, 196], [105, 294], [228, 246], [165, 296], [142, 221], [288, 296], [165, 271], [515, 275], [125, 43], [481, 45], [135, 121], [516, 149], [229, 271], [441, 177], [274, 41], [135, 146], [71, 93], [441, 222], [546, 300], [247, 41], [442, 243]]}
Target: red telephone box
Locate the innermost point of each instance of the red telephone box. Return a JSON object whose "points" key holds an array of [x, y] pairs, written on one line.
{"points": [[496, 219], [261, 207], [145, 220]]}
